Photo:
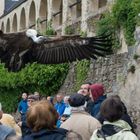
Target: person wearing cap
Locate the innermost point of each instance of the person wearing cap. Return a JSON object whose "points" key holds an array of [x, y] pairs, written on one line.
{"points": [[80, 121], [5, 131]]}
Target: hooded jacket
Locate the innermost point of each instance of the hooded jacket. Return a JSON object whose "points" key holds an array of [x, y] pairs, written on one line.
{"points": [[120, 131], [56, 134], [97, 92], [81, 122]]}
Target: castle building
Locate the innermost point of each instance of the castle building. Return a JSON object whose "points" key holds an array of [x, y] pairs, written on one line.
{"points": [[19, 15]]}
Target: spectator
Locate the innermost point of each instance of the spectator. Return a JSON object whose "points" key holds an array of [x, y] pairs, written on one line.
{"points": [[22, 107], [24, 128], [80, 121], [85, 90], [60, 105], [50, 99], [67, 110], [5, 131], [9, 120], [97, 96], [37, 95], [42, 118], [113, 128], [124, 117]]}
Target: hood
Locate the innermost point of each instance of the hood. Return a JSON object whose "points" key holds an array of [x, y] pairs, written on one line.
{"points": [[97, 90], [100, 99], [109, 129], [120, 123], [50, 132]]}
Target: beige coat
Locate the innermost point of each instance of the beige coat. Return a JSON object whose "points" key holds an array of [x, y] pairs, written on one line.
{"points": [[82, 123]]}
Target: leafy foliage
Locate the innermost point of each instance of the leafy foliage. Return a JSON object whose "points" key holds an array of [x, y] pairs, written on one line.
{"points": [[136, 6], [69, 30], [124, 15], [45, 79], [82, 68], [50, 30], [106, 26]]}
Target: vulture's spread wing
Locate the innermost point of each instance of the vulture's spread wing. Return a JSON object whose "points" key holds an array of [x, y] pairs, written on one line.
{"points": [[17, 49], [70, 48]]}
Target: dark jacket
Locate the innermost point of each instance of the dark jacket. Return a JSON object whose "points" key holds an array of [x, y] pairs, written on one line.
{"points": [[124, 117], [96, 105], [24, 128], [56, 134]]}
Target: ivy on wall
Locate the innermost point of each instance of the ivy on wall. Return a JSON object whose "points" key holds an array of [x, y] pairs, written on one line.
{"points": [[82, 69], [124, 15], [46, 79]]}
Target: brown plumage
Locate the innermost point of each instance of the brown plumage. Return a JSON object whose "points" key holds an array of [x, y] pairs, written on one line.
{"points": [[17, 49]]}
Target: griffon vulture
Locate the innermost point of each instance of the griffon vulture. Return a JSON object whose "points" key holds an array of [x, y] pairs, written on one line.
{"points": [[17, 49]]}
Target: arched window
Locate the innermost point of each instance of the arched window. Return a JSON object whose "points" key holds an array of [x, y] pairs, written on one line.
{"points": [[75, 9], [32, 15], [43, 13], [22, 20], [2, 26], [14, 25], [8, 26], [57, 13]]}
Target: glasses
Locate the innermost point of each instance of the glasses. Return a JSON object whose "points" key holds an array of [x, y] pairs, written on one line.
{"points": [[30, 100]]}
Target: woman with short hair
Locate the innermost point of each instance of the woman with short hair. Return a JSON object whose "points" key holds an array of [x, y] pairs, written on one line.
{"points": [[113, 128], [42, 118]]}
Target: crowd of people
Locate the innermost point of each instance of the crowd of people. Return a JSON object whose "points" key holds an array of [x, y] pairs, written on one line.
{"points": [[86, 115]]}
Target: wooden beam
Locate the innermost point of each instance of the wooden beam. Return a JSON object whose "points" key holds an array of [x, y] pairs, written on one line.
{"points": [[33, 25], [43, 20], [79, 1], [57, 13]]}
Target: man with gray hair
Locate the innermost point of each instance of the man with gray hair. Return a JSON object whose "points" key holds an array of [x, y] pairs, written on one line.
{"points": [[5, 131]]}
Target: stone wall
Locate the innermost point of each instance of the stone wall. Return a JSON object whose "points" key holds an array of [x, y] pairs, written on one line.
{"points": [[115, 73], [111, 71]]}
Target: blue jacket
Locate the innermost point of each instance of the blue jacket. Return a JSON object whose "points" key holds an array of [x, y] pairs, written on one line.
{"points": [[22, 107], [24, 128], [56, 134], [60, 107], [96, 105], [6, 132]]}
